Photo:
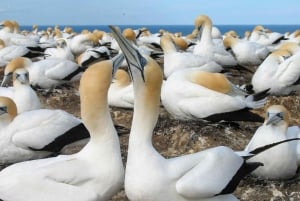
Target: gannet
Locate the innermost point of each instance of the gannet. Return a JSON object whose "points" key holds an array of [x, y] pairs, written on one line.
{"points": [[36, 133], [47, 73], [280, 162], [95, 173], [21, 93], [120, 93], [195, 94]]}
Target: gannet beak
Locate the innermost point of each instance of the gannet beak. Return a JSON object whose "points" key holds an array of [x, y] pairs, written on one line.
{"points": [[117, 61], [274, 118], [132, 55], [6, 80]]}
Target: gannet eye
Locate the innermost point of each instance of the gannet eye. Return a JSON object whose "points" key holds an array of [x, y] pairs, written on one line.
{"points": [[280, 114], [3, 109]]}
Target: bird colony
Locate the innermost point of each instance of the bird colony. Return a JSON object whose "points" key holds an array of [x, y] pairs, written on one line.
{"points": [[134, 115]]}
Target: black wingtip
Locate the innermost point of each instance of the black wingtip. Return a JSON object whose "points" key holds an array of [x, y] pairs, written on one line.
{"points": [[239, 115], [266, 147], [244, 170], [74, 134], [261, 95]]}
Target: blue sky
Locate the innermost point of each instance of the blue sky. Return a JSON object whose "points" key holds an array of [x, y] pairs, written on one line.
{"points": [[146, 12]]}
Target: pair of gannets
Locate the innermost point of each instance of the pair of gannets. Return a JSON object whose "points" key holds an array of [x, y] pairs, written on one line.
{"points": [[94, 173], [208, 175], [21, 93], [282, 161]]}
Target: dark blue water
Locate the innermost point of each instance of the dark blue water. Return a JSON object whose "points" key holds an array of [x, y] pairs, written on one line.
{"points": [[185, 29]]}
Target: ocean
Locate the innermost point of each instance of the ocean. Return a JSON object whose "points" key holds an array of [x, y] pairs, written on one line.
{"points": [[184, 29]]}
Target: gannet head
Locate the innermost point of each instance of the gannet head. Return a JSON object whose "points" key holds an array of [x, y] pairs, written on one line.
{"points": [[277, 115], [7, 107], [19, 62]]}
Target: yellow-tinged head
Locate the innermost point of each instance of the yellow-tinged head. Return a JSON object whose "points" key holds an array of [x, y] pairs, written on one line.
{"points": [[167, 43], [129, 34], [281, 53], [213, 81], [202, 19], [122, 78], [68, 30], [290, 46], [99, 34], [19, 62], [259, 28], [2, 44], [231, 33], [8, 26], [8, 106], [180, 42], [228, 41], [277, 115]]}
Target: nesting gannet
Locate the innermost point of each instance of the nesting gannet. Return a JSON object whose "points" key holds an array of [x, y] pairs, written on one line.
{"points": [[280, 162], [209, 175], [9, 33], [262, 36], [280, 72], [22, 94], [207, 48], [47, 73], [7, 53], [62, 50], [120, 93], [95, 173], [195, 94], [93, 55], [246, 53], [36, 133], [81, 42], [175, 60]]}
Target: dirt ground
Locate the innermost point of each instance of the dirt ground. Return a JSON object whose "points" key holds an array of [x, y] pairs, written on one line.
{"points": [[173, 138]]}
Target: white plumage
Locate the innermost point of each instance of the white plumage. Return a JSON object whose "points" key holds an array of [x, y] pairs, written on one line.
{"points": [[280, 162], [94, 173]]}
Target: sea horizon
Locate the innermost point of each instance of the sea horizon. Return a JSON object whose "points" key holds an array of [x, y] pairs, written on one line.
{"points": [[184, 29]]}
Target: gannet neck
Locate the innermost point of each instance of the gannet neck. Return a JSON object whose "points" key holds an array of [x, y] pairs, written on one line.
{"points": [[93, 89], [205, 23], [147, 102], [167, 44]]}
